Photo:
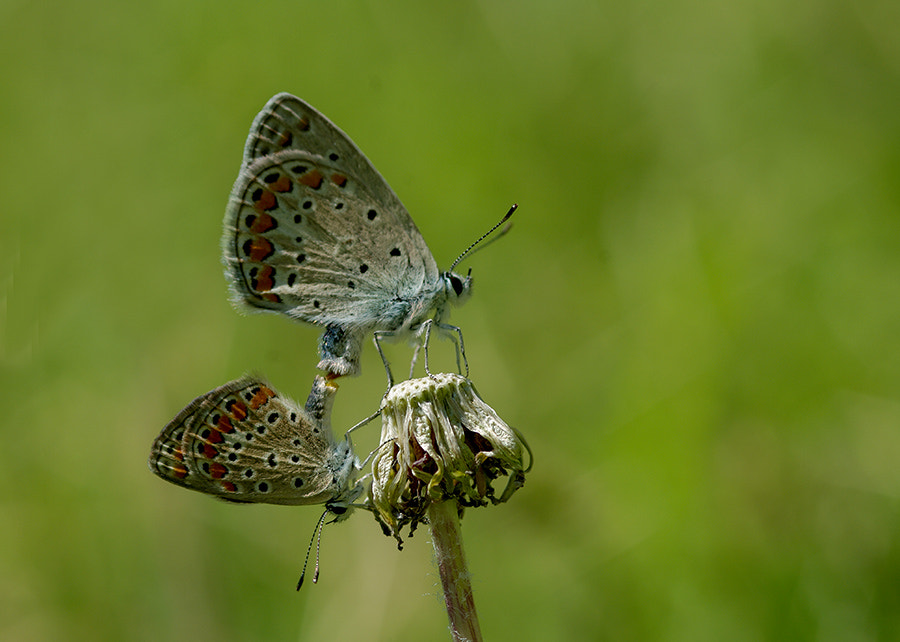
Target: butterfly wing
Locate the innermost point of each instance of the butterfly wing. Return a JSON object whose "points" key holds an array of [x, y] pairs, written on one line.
{"points": [[313, 231], [286, 122], [245, 442], [305, 238]]}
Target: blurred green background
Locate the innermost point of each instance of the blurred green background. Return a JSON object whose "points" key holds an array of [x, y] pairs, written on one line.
{"points": [[694, 319]]}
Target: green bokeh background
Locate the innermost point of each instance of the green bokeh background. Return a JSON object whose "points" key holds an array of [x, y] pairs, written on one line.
{"points": [[693, 321]]}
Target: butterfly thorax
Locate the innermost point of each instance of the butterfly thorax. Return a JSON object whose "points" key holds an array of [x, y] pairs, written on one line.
{"points": [[423, 304], [344, 466]]}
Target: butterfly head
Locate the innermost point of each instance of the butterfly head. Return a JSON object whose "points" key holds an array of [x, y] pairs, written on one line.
{"points": [[342, 506], [458, 288], [340, 510]]}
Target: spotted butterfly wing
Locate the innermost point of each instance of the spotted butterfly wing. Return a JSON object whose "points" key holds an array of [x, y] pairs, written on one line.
{"points": [[245, 442], [314, 232], [286, 122]]}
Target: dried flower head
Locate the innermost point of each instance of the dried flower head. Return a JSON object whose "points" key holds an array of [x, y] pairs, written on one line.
{"points": [[440, 441]]}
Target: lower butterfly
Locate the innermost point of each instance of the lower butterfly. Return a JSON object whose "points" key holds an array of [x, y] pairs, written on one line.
{"points": [[245, 442]]}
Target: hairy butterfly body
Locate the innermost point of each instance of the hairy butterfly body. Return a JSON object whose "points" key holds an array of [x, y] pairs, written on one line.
{"points": [[245, 442], [314, 232]]}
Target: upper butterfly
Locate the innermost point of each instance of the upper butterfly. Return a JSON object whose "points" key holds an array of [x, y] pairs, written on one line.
{"points": [[313, 231], [244, 442]]}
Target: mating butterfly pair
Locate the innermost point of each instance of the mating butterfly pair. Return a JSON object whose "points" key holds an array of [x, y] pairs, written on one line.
{"points": [[314, 232]]}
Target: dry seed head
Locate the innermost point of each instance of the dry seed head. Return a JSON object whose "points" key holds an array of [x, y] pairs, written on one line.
{"points": [[441, 441]]}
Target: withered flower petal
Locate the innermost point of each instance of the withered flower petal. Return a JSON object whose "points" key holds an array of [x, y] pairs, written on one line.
{"points": [[441, 441]]}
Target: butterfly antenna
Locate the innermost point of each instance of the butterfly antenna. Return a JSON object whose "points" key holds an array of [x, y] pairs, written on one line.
{"points": [[318, 541], [485, 235]]}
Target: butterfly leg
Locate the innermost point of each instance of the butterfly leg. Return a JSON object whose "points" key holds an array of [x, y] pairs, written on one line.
{"points": [[375, 452], [415, 358], [426, 328], [362, 423], [378, 335], [460, 346]]}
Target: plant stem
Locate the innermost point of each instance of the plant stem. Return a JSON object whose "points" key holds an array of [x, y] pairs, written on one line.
{"points": [[443, 518]]}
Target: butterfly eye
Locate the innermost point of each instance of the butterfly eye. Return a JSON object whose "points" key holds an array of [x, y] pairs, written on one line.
{"points": [[457, 284]]}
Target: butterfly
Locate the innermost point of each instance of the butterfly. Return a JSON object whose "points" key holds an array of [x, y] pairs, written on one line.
{"points": [[313, 231], [245, 442]]}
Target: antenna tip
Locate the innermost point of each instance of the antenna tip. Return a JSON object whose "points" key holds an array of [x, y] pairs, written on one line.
{"points": [[485, 235]]}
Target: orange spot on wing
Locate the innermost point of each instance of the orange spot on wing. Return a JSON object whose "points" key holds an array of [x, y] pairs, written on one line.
{"points": [[339, 179], [312, 179], [263, 394], [263, 224], [270, 296], [227, 486], [215, 437], [264, 280], [259, 249], [266, 201], [238, 412], [224, 423], [209, 452], [179, 471], [217, 470], [283, 184], [285, 139]]}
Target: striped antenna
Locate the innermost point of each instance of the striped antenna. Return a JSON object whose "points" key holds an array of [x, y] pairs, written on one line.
{"points": [[485, 235]]}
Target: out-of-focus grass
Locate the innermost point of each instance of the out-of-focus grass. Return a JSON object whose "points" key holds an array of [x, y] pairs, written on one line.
{"points": [[694, 320]]}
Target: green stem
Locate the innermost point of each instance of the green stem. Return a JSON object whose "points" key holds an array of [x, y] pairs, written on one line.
{"points": [[443, 518]]}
